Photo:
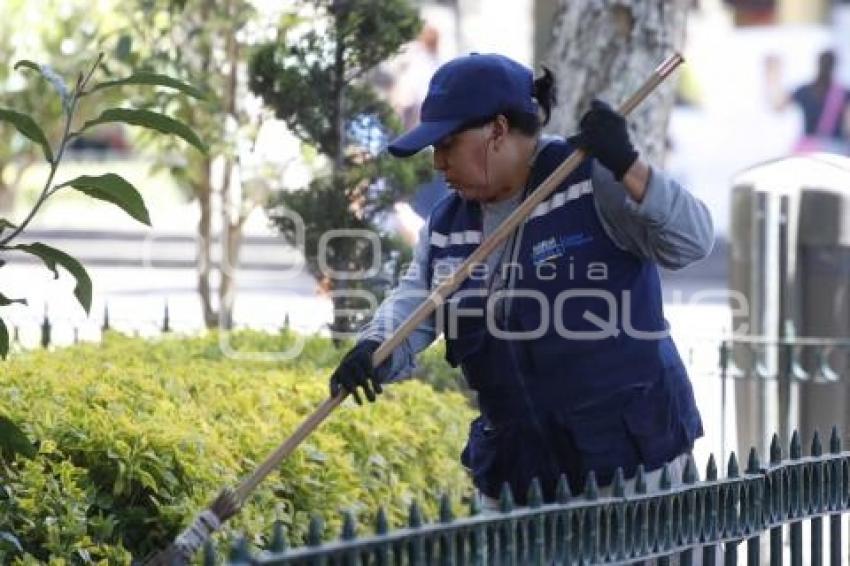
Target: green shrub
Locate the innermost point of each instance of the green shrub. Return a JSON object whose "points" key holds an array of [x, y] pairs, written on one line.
{"points": [[135, 437]]}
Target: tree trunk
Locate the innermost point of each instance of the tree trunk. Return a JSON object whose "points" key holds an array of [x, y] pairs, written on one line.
{"points": [[342, 324], [7, 196], [232, 242], [227, 265], [606, 49], [230, 225], [339, 100], [203, 192], [341, 320]]}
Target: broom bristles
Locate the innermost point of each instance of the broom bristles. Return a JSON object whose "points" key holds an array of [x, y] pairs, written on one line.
{"points": [[202, 528]]}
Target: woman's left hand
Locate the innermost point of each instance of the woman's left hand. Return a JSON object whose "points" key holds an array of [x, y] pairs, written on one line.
{"points": [[603, 132]]}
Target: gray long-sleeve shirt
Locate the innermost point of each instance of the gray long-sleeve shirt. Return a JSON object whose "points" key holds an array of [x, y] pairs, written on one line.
{"points": [[669, 226]]}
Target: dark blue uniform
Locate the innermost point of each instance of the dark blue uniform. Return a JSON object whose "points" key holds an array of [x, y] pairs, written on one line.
{"points": [[586, 377]]}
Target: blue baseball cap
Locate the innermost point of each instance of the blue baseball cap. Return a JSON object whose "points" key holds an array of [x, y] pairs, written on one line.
{"points": [[468, 88]]}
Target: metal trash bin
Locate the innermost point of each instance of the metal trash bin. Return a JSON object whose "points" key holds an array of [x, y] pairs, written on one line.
{"points": [[790, 269]]}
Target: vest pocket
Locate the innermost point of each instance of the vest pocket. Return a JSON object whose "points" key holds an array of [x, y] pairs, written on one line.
{"points": [[512, 453], [603, 446], [655, 425], [648, 430]]}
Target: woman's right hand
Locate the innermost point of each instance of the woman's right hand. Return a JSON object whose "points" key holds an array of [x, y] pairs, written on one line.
{"points": [[355, 371]]}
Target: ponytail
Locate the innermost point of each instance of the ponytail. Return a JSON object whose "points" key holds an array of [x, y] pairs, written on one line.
{"points": [[545, 93]]}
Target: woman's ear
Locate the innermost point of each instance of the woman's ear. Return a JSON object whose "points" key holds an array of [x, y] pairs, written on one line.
{"points": [[499, 129]]}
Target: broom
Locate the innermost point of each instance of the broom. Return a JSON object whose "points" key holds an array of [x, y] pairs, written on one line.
{"points": [[229, 501]]}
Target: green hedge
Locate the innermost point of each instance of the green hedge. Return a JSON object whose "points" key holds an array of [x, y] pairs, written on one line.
{"points": [[135, 437]]}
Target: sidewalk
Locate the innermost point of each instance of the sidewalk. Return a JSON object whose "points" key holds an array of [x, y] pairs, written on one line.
{"points": [[137, 273]]}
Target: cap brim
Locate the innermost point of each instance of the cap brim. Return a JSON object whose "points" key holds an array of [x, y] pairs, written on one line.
{"points": [[420, 137]]}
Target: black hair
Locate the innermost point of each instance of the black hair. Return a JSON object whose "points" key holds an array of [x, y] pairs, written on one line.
{"points": [[529, 124], [545, 93]]}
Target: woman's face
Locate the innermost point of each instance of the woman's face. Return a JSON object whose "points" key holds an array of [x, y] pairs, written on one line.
{"points": [[462, 158], [483, 164]]}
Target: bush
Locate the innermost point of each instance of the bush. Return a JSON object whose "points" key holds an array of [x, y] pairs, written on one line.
{"points": [[135, 437]]}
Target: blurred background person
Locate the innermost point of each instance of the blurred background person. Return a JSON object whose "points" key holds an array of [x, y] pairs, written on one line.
{"points": [[824, 103], [413, 70], [408, 77]]}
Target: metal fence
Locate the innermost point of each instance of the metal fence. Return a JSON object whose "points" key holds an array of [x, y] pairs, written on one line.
{"points": [[792, 363], [699, 521], [75, 331]]}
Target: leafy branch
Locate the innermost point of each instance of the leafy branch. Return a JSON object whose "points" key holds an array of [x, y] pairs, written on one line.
{"points": [[109, 187]]}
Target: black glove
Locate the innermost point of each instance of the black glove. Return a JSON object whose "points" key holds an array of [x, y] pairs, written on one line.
{"points": [[603, 132], [355, 370]]}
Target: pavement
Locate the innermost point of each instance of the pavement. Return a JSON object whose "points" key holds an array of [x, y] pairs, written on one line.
{"points": [[137, 273]]}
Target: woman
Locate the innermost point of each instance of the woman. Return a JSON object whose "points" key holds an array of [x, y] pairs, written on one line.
{"points": [[561, 332]]}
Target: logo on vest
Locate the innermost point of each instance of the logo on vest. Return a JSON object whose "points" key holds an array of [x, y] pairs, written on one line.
{"points": [[555, 247], [442, 268]]}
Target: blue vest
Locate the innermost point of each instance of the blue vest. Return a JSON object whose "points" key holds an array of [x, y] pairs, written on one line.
{"points": [[573, 368]]}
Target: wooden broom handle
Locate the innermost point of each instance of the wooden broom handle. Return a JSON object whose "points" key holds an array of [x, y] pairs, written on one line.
{"points": [[438, 295]]}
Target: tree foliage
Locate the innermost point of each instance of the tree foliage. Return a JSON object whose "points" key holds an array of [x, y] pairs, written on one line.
{"points": [[316, 78], [204, 42], [64, 42]]}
